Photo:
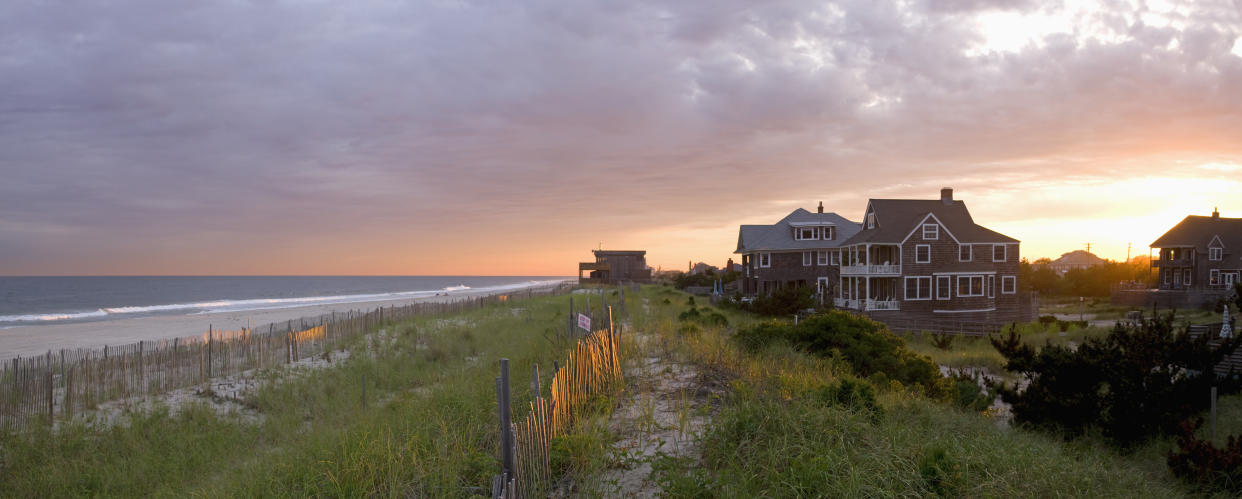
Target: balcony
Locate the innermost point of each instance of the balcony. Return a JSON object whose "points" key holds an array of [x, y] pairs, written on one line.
{"points": [[874, 270], [1180, 262]]}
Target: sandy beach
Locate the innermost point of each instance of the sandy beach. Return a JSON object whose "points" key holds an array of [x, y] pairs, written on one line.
{"points": [[23, 341]]}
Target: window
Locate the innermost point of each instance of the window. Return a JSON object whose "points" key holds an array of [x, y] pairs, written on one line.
{"points": [[821, 258], [931, 232], [965, 253], [804, 233], [1009, 284], [918, 288], [765, 259], [991, 286], [944, 287], [1168, 277], [871, 220], [806, 259], [922, 253], [1186, 277], [969, 285], [830, 233], [998, 253], [834, 257], [1216, 254]]}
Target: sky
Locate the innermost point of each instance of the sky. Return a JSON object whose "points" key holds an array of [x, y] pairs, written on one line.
{"points": [[512, 137]]}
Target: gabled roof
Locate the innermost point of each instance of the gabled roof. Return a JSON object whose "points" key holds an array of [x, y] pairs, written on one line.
{"points": [[1198, 231], [895, 218], [779, 236]]}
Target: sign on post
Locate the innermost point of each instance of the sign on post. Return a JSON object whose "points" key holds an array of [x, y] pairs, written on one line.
{"points": [[584, 322]]}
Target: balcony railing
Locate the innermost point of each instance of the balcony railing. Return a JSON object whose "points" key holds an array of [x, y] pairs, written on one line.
{"points": [[883, 305], [1180, 262], [871, 270]]}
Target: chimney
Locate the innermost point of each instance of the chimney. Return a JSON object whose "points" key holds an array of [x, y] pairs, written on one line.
{"points": [[1215, 213], [821, 206], [946, 195]]}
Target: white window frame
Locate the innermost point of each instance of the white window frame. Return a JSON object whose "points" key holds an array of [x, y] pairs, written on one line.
{"points": [[970, 253], [918, 288], [1214, 277], [1216, 254], [821, 257], [871, 220], [991, 285], [807, 259], [765, 257], [1168, 278], [1186, 273], [933, 234], [834, 257], [810, 235], [917, 247], [1010, 283], [968, 279], [830, 233], [1004, 252], [948, 288]]}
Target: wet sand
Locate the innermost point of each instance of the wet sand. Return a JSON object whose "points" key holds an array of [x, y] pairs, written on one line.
{"points": [[25, 341]]}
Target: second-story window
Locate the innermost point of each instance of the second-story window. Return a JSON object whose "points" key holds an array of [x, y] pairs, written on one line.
{"points": [[821, 257], [805, 233], [998, 253], [931, 232], [765, 259], [1216, 254], [834, 257], [964, 253], [871, 220], [922, 253], [806, 259]]}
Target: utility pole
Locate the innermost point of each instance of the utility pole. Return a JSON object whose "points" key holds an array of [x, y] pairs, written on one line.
{"points": [[1128, 252], [1088, 247]]}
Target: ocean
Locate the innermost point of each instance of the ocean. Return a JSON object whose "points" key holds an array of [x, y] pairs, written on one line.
{"points": [[28, 301]]}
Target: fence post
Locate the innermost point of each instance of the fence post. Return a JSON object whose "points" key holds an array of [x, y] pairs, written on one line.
{"points": [[506, 437], [534, 382], [210, 334], [1213, 413]]}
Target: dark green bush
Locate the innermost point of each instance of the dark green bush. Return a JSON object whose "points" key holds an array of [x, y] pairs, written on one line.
{"points": [[856, 395], [942, 475], [1139, 381], [965, 393], [867, 345], [1205, 465]]}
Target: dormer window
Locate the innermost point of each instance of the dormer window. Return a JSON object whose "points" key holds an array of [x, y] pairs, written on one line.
{"points": [[1216, 254], [931, 232], [871, 220], [805, 234], [830, 233]]}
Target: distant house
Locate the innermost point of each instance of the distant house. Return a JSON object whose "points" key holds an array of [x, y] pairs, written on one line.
{"points": [[1077, 259], [1198, 262], [928, 261], [701, 268], [614, 266], [799, 250]]}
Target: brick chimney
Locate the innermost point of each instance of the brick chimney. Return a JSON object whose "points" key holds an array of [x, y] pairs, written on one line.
{"points": [[821, 206], [1215, 213], [946, 195]]}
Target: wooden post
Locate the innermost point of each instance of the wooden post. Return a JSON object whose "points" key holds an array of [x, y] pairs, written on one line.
{"points": [[534, 382], [50, 401], [1213, 414], [210, 333], [506, 429]]}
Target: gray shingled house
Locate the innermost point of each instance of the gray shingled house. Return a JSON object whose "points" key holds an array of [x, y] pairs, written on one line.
{"points": [[1197, 263], [927, 261], [799, 250]]}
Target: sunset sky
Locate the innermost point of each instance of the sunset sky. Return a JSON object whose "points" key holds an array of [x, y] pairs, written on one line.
{"points": [[462, 137]]}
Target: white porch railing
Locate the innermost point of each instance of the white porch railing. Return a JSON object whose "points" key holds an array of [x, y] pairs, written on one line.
{"points": [[883, 305], [871, 270]]}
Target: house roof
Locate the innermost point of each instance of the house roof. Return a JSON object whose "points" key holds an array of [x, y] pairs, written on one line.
{"points": [[779, 236], [1078, 257], [1198, 231], [895, 218]]}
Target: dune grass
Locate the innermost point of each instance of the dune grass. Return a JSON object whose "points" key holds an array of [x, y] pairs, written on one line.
{"points": [[428, 429]]}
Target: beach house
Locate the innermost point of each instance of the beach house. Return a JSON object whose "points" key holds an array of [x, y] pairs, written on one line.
{"points": [[1197, 262], [798, 250]]}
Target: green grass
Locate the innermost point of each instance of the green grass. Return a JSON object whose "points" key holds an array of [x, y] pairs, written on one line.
{"points": [[434, 435]]}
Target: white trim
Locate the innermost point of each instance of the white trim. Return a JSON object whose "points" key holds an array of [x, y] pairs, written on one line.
{"points": [[948, 293], [905, 286], [916, 253], [828, 233], [935, 232], [963, 311], [1214, 277], [811, 224], [807, 259], [991, 285], [821, 257], [1009, 279], [970, 249], [973, 272], [1003, 246], [919, 225], [811, 230], [870, 219], [1220, 254], [1186, 273], [761, 258], [1216, 239], [969, 293], [834, 257]]}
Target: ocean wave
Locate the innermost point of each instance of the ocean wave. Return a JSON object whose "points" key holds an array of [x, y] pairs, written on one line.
{"points": [[244, 305]]}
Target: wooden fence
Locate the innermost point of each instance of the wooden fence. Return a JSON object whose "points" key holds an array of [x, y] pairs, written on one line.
{"points": [[60, 384], [964, 328], [592, 368]]}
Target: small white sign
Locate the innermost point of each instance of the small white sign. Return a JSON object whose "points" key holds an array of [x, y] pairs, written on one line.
{"points": [[584, 322]]}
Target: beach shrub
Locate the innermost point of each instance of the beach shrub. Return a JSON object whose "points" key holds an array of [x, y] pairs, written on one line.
{"points": [[704, 316], [1139, 381], [964, 392], [854, 394], [868, 346], [1203, 464], [942, 341], [941, 474]]}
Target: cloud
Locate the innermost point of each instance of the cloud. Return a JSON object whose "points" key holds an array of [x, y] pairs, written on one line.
{"points": [[142, 125]]}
